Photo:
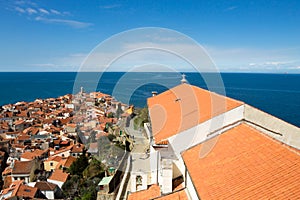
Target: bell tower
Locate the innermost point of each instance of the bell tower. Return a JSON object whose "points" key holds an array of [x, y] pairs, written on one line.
{"points": [[183, 80]]}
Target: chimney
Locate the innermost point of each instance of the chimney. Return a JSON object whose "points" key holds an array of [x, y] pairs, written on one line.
{"points": [[154, 93]]}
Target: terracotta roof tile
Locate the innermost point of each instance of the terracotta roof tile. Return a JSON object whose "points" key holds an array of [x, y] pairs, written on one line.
{"points": [[54, 158], [19, 122], [178, 195], [59, 175], [245, 163], [72, 125], [13, 187], [34, 154], [23, 167], [7, 171], [152, 192], [77, 148], [184, 107], [68, 148], [67, 162], [26, 191], [45, 186], [23, 137]]}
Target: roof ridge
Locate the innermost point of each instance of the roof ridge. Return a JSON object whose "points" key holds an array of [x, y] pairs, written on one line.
{"points": [[290, 148]]}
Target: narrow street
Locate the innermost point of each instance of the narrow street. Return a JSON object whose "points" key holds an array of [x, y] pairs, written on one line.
{"points": [[140, 142], [138, 153]]}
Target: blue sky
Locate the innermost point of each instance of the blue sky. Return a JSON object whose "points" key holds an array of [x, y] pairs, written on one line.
{"points": [[240, 36]]}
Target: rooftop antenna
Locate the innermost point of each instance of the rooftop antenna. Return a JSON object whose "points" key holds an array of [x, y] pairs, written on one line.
{"points": [[183, 80]]}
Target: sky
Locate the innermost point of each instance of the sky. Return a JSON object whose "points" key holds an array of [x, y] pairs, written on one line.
{"points": [[239, 36]]}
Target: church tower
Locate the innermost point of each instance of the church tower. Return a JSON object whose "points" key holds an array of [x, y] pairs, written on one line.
{"points": [[183, 80]]}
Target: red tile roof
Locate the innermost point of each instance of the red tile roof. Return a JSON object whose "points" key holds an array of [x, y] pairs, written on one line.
{"points": [[13, 187], [184, 107], [45, 186], [23, 167], [29, 155], [54, 158], [245, 164], [61, 150], [23, 137], [59, 175], [77, 148], [34, 154], [19, 122], [25, 191], [178, 195], [152, 192], [67, 162]]}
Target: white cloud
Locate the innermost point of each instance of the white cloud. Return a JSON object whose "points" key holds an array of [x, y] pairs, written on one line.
{"points": [[143, 48], [48, 65], [53, 67], [55, 12], [25, 2], [20, 2], [31, 11], [20, 10], [71, 23], [230, 8], [44, 11], [34, 12], [110, 6], [271, 63]]}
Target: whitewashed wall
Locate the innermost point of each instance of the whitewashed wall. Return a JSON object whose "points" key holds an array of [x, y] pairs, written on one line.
{"points": [[154, 155], [190, 188], [133, 187], [201, 132], [290, 133]]}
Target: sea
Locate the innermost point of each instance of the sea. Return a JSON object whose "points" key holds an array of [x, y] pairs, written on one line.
{"points": [[276, 94]]}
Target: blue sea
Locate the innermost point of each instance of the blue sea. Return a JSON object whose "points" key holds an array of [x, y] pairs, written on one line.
{"points": [[277, 94]]}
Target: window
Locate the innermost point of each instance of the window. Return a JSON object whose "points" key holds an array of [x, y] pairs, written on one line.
{"points": [[51, 164], [139, 180]]}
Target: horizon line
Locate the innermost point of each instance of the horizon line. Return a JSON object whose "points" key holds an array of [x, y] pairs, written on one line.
{"points": [[232, 72]]}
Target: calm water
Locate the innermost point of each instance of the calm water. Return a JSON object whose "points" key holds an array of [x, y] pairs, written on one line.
{"points": [[277, 94]]}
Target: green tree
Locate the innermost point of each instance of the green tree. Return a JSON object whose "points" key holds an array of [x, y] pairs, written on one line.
{"points": [[79, 165], [141, 118], [110, 115], [94, 169], [70, 187]]}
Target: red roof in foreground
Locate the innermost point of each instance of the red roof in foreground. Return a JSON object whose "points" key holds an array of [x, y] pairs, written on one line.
{"points": [[245, 164], [184, 107], [152, 192], [177, 195]]}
